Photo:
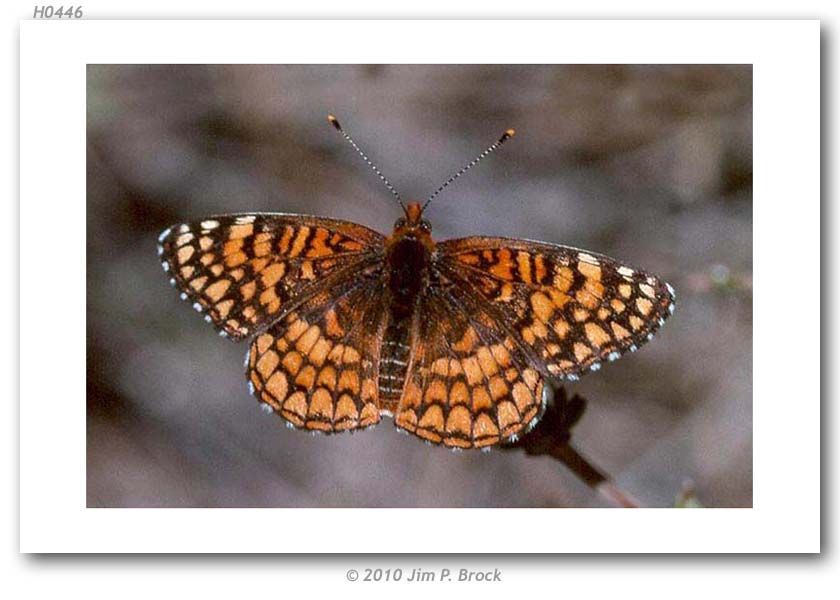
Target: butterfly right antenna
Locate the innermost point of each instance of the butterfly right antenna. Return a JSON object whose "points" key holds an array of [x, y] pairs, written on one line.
{"points": [[334, 122]]}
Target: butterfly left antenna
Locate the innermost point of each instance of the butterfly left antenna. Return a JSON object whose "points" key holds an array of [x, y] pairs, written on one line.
{"points": [[334, 122]]}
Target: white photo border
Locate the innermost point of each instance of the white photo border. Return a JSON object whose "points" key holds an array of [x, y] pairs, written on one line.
{"points": [[786, 75]]}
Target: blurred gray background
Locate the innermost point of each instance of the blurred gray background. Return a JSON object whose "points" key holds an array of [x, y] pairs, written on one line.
{"points": [[651, 164]]}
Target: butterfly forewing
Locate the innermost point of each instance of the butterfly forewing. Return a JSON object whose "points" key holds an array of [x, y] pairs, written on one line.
{"points": [[573, 309], [247, 271]]}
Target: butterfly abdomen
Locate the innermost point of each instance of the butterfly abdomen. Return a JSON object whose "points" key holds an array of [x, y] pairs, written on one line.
{"points": [[393, 359]]}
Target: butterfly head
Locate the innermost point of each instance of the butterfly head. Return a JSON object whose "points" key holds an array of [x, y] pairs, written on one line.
{"points": [[413, 226], [413, 221]]}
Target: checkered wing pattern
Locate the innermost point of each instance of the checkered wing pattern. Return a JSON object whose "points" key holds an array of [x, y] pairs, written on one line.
{"points": [[318, 367], [569, 309], [245, 272], [469, 383]]}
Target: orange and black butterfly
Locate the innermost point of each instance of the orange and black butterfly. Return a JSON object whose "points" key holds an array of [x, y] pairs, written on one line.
{"points": [[455, 339]]}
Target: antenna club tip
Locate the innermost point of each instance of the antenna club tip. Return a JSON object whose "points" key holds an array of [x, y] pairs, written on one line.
{"points": [[334, 122], [509, 133]]}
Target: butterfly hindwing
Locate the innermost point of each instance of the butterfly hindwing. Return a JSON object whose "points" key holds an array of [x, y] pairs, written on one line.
{"points": [[246, 271], [317, 367], [572, 308], [469, 384]]}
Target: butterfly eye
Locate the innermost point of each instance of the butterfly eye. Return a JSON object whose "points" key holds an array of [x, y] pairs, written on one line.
{"points": [[426, 226], [399, 223]]}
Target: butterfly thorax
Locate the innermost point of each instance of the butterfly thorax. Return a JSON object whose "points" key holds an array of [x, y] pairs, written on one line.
{"points": [[408, 273], [408, 259]]}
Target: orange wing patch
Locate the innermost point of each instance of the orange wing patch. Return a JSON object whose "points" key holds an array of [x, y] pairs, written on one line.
{"points": [[572, 308], [246, 271]]}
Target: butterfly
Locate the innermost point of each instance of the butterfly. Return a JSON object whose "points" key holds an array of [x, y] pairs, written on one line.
{"points": [[456, 340]]}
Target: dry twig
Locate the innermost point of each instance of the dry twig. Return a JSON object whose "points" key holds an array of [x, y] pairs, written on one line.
{"points": [[552, 437]]}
